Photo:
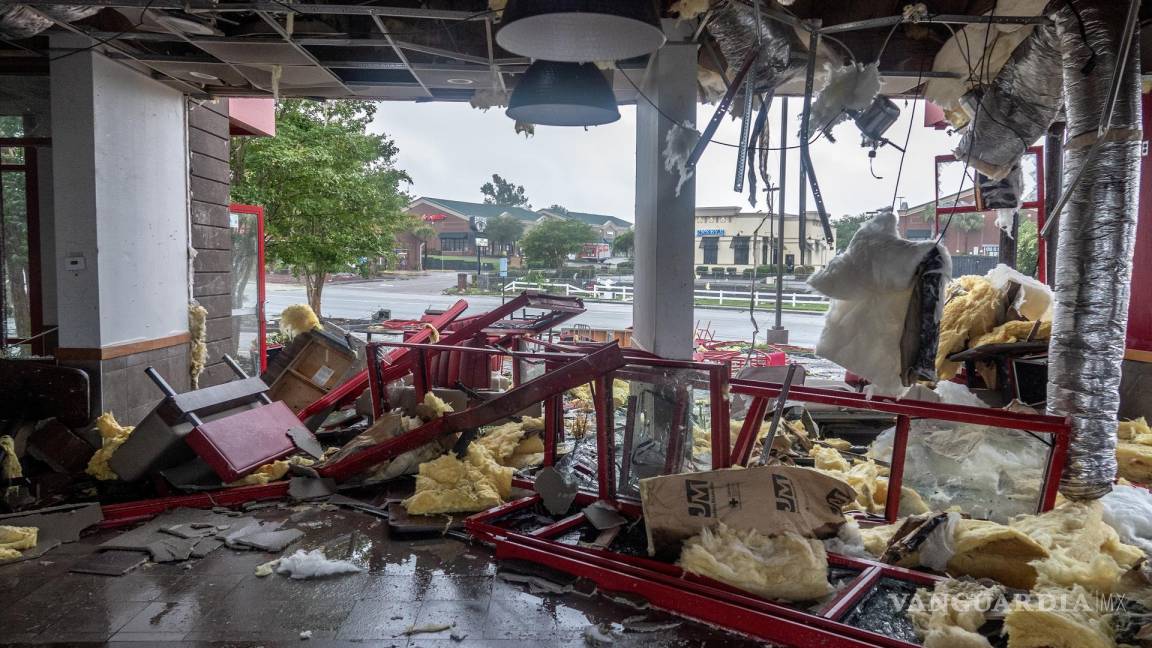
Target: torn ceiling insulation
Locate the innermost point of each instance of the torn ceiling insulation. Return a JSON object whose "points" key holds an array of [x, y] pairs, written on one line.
{"points": [[1097, 233]]}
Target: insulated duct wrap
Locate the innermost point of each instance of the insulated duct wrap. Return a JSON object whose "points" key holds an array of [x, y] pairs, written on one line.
{"points": [[736, 31], [1017, 108], [1097, 230], [19, 21]]}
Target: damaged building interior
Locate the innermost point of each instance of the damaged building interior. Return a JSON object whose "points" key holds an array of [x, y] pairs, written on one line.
{"points": [[976, 478]]}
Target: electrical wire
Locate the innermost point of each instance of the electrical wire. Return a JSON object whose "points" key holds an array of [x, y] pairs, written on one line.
{"points": [[975, 117], [907, 137], [663, 114]]}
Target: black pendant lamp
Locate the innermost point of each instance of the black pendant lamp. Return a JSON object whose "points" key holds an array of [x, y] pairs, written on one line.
{"points": [[580, 31], [563, 94]]}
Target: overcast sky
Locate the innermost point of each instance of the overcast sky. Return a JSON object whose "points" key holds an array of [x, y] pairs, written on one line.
{"points": [[451, 149]]}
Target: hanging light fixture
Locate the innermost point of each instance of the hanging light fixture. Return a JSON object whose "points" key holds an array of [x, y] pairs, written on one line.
{"points": [[579, 31], [563, 94]]}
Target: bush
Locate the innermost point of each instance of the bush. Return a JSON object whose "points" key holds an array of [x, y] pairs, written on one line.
{"points": [[730, 271], [626, 265], [459, 265], [765, 270], [701, 270], [746, 273], [717, 271]]}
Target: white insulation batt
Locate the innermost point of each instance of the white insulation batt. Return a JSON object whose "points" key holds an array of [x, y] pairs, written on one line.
{"points": [[870, 285], [786, 567], [314, 564], [848, 87]]}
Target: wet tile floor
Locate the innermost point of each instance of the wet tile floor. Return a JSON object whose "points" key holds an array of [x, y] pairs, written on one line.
{"points": [[218, 601]]}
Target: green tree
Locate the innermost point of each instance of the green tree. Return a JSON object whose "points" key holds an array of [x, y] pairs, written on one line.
{"points": [[15, 272], [503, 192], [331, 192], [550, 242], [968, 222], [1026, 249], [504, 230], [559, 209], [846, 227], [623, 244]]}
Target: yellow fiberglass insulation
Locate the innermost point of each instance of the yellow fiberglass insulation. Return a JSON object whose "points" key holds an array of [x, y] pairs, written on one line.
{"points": [[949, 615], [512, 445], [829, 459], [433, 407], [620, 393], [9, 463], [869, 480], [787, 567], [970, 310], [501, 441], [16, 539], [1134, 450], [989, 550], [1083, 549], [982, 549], [1015, 331], [449, 485], [297, 319], [270, 472], [1059, 618], [689, 9], [198, 341], [112, 436]]}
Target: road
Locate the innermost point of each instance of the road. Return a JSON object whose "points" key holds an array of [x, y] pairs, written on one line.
{"points": [[407, 299]]}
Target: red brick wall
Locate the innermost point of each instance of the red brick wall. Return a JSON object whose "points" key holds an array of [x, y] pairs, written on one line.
{"points": [[957, 240], [451, 224]]}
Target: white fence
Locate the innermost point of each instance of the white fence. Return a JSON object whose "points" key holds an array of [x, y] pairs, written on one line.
{"points": [[623, 294]]}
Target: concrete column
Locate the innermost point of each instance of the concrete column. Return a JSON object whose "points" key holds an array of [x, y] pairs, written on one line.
{"points": [[120, 179], [662, 311], [120, 227]]}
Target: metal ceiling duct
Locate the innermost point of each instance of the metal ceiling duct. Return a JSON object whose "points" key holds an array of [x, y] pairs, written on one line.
{"points": [[1097, 231], [563, 94], [1016, 108], [19, 21], [580, 31]]}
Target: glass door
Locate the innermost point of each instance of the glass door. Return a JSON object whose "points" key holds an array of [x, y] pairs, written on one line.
{"points": [[248, 325], [21, 320]]}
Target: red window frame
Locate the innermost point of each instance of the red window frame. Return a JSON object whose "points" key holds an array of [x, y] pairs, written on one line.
{"points": [[261, 316], [1038, 205]]}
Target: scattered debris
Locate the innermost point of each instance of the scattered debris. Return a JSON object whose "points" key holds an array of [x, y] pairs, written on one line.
{"points": [[557, 491], [270, 541], [306, 488], [313, 564], [305, 635], [603, 634], [110, 563], [63, 523], [457, 637], [427, 628], [602, 516], [266, 569]]}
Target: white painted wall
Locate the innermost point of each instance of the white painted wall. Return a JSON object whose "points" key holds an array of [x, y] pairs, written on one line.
{"points": [[120, 178]]}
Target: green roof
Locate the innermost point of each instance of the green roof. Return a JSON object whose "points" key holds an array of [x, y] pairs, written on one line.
{"points": [[520, 213], [482, 209], [596, 219]]}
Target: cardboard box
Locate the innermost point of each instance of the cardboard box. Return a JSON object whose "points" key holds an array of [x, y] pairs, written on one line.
{"points": [[770, 499]]}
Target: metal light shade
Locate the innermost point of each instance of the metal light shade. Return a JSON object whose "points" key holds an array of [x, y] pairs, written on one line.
{"points": [[580, 31], [563, 94]]}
